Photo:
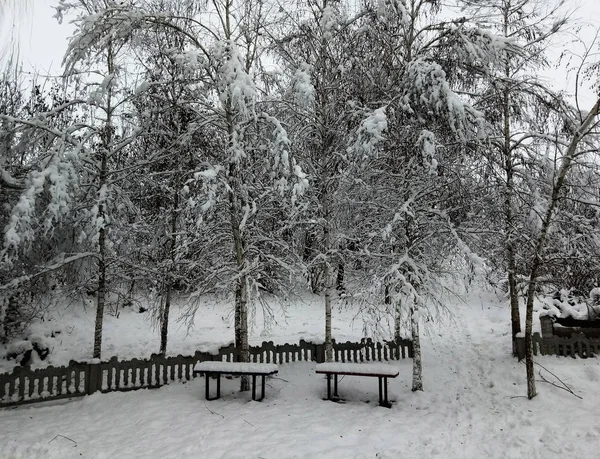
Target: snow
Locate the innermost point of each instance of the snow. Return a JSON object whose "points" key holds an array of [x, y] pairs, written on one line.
{"points": [[236, 367], [371, 130], [473, 406], [6, 177], [357, 368], [235, 83], [304, 91], [143, 86]]}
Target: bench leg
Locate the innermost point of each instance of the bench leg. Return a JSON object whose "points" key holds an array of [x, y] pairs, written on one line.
{"points": [[383, 393], [207, 387], [328, 387], [262, 384], [335, 386]]}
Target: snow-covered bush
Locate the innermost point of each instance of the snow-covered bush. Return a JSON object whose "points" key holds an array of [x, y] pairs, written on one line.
{"points": [[570, 303]]}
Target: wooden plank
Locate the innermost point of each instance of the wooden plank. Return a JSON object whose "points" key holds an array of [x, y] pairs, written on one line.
{"points": [[357, 369]]}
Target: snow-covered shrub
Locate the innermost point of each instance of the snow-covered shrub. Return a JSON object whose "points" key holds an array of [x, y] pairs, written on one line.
{"points": [[32, 348], [571, 303], [594, 304]]}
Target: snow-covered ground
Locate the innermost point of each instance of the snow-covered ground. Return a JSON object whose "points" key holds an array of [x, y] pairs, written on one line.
{"points": [[473, 406]]}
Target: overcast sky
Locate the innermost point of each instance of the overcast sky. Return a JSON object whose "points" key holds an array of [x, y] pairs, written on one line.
{"points": [[43, 41]]}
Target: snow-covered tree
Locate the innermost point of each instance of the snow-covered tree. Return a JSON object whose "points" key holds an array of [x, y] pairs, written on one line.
{"points": [[425, 65], [81, 165], [516, 104], [317, 48], [251, 157]]}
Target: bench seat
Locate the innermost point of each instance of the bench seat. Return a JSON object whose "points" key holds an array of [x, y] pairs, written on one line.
{"points": [[358, 369], [235, 368], [375, 370]]}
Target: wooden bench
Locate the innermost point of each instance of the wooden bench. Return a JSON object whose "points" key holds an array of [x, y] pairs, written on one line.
{"points": [[235, 368], [381, 371]]}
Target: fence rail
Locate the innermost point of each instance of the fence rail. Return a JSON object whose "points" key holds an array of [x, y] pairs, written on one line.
{"points": [[576, 345], [24, 385]]}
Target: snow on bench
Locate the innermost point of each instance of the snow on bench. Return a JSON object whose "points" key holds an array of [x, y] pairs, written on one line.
{"points": [[235, 368], [358, 369], [381, 371]]}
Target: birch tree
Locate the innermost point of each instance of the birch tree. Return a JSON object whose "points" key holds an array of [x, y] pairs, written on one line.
{"points": [[78, 167]]}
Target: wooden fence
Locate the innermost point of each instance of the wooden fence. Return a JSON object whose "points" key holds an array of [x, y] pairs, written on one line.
{"points": [[576, 345], [24, 385]]}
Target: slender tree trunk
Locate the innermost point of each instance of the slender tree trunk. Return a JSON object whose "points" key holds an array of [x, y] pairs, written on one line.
{"points": [[244, 345], [106, 141], [237, 321], [328, 294], [339, 280], [531, 389], [241, 294], [417, 382], [397, 321], [164, 326], [101, 293], [164, 322], [327, 249]]}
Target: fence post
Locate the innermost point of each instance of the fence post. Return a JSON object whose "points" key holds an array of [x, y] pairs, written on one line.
{"points": [[93, 378], [547, 325], [320, 353], [520, 347]]}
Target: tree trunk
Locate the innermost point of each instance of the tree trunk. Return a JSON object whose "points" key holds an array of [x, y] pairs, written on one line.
{"points": [[244, 346], [241, 291], [106, 139], [164, 320], [531, 390], [241, 294], [515, 315], [314, 272], [164, 326], [328, 339], [397, 322], [339, 280], [101, 293], [327, 248], [417, 382], [237, 321]]}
